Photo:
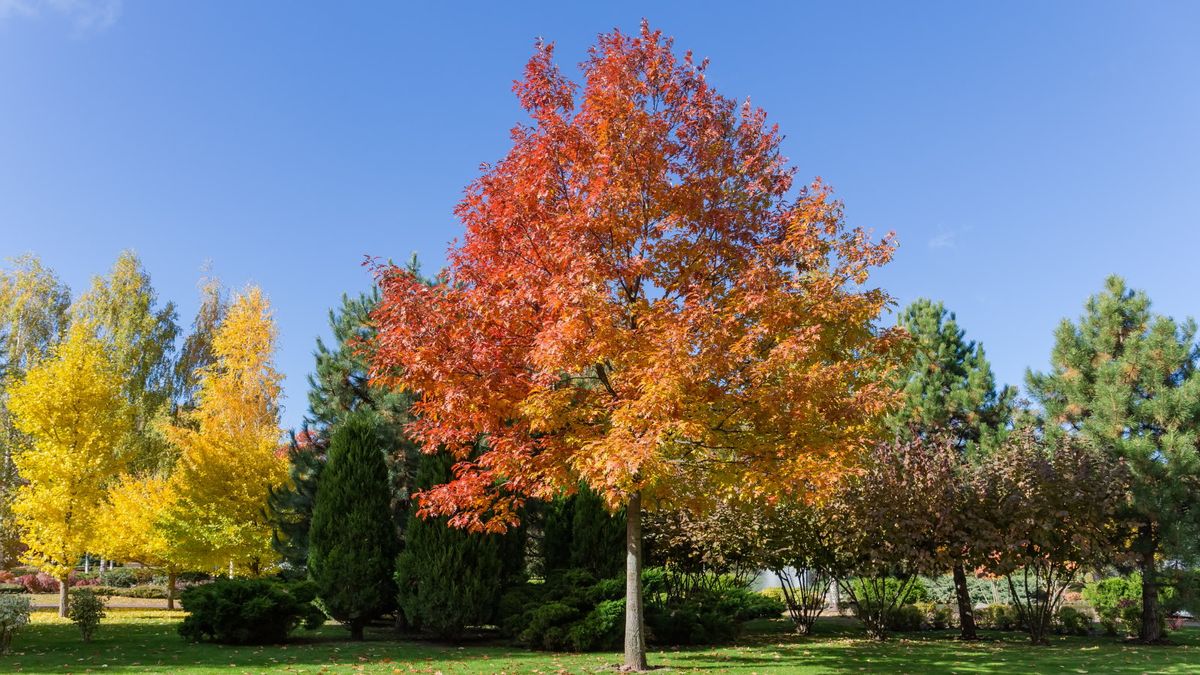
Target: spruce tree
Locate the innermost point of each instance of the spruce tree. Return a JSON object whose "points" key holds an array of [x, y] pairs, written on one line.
{"points": [[339, 386], [949, 390], [352, 542], [1126, 380], [447, 578]]}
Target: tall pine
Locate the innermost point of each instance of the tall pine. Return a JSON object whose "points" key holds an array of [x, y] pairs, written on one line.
{"points": [[339, 386], [949, 390], [1126, 380], [352, 542]]}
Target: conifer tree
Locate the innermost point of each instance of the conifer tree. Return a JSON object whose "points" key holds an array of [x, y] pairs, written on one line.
{"points": [[352, 541], [448, 578], [949, 390], [339, 386], [580, 532], [1126, 380]]}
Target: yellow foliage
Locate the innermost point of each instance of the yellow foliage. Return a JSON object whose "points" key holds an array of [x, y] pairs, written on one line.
{"points": [[71, 406], [128, 524], [229, 445]]}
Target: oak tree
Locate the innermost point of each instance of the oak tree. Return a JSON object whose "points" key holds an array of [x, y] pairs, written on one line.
{"points": [[641, 295]]}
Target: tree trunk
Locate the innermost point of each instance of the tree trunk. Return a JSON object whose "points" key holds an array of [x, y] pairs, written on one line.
{"points": [[171, 590], [635, 626], [356, 629], [1151, 630], [231, 568], [62, 596], [966, 608]]}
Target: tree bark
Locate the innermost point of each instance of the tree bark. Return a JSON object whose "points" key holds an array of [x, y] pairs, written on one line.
{"points": [[966, 608], [356, 629], [1151, 629], [171, 590], [63, 583], [635, 625]]}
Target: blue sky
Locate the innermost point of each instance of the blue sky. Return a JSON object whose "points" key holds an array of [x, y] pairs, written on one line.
{"points": [[1021, 151]]}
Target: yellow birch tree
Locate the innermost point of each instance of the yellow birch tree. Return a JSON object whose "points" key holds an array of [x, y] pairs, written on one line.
{"points": [[129, 526], [228, 446], [72, 407]]}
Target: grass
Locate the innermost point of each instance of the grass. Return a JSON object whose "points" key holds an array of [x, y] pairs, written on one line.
{"points": [[145, 641]]}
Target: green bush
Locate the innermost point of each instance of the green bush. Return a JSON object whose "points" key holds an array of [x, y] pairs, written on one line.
{"points": [[247, 611], [998, 617], [14, 613], [935, 616], [11, 589], [1117, 602], [120, 577], [1071, 621], [85, 609], [574, 611]]}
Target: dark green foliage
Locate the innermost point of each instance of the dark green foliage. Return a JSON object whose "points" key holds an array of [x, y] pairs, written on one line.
{"points": [[1071, 621], [291, 506], [1126, 380], [248, 611], [574, 611], [352, 542], [85, 610], [447, 578], [580, 533], [880, 602]]}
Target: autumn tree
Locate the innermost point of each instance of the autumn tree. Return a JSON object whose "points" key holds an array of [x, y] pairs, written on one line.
{"points": [[72, 406], [949, 390], [1126, 381], [34, 305], [123, 307], [799, 547], [1052, 510], [640, 296], [129, 526], [229, 445], [887, 524], [196, 352]]}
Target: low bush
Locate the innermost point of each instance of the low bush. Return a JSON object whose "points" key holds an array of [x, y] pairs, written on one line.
{"points": [[85, 609], [248, 611], [574, 611], [998, 617], [935, 616], [11, 589], [38, 583], [142, 591], [14, 613], [1071, 621]]}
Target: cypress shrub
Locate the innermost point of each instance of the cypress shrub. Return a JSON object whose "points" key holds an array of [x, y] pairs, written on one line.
{"points": [[447, 578], [352, 541]]}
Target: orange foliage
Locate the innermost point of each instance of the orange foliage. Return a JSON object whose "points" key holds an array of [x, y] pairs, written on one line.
{"points": [[641, 300]]}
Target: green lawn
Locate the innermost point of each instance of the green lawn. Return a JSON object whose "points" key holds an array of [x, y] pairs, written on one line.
{"points": [[145, 641]]}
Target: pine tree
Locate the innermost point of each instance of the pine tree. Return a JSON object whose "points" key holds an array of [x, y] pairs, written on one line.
{"points": [[1126, 380], [949, 390], [339, 386], [447, 578], [352, 542]]}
